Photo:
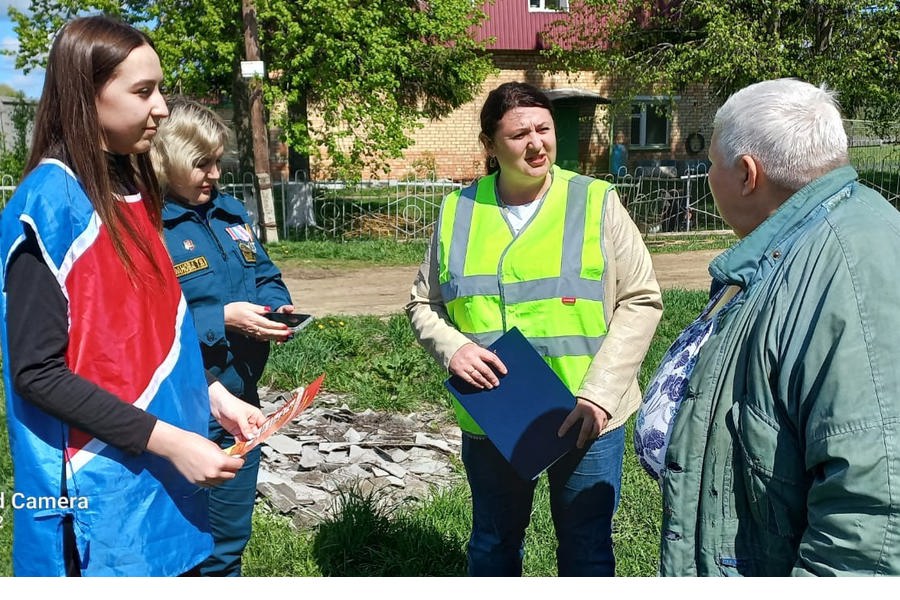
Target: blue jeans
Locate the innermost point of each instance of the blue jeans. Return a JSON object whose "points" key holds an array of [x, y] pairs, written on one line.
{"points": [[230, 512], [584, 495]]}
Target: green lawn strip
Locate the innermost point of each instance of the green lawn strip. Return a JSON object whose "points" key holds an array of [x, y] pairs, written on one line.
{"points": [[331, 253], [675, 243], [6, 489]]}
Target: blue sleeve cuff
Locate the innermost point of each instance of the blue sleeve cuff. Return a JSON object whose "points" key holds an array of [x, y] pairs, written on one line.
{"points": [[275, 298], [210, 324]]}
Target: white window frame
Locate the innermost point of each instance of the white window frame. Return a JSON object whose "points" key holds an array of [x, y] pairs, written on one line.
{"points": [[644, 102], [542, 6]]}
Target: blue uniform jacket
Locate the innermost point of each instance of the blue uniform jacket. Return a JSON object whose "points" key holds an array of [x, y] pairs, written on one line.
{"points": [[218, 260]]}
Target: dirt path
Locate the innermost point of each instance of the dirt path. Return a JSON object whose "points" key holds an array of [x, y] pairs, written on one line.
{"points": [[385, 290]]}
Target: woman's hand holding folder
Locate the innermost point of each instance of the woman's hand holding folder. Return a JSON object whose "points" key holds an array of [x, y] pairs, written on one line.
{"points": [[593, 420], [477, 366]]}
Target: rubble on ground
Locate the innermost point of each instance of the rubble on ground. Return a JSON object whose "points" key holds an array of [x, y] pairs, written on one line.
{"points": [[330, 449]]}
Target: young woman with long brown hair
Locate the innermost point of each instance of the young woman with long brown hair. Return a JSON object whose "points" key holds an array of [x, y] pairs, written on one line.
{"points": [[107, 405]]}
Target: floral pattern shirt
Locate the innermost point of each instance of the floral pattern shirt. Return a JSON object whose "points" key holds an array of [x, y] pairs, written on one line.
{"points": [[666, 391]]}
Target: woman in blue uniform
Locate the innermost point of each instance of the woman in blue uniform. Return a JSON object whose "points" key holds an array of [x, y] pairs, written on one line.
{"points": [[229, 283]]}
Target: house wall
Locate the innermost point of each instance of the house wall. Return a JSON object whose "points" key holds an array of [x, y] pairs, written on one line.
{"points": [[510, 25], [693, 113], [449, 148], [452, 145]]}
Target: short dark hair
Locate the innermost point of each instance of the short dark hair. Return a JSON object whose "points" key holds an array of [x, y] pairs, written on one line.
{"points": [[506, 97]]}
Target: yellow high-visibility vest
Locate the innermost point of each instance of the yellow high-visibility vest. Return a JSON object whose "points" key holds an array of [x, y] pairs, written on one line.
{"points": [[547, 281]]}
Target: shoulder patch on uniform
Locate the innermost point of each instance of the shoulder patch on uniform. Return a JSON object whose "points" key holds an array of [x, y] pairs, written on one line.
{"points": [[191, 266]]}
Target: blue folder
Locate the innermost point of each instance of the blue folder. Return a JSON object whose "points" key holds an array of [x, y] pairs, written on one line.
{"points": [[522, 415]]}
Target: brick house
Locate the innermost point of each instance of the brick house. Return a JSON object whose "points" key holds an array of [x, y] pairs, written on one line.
{"points": [[449, 148]]}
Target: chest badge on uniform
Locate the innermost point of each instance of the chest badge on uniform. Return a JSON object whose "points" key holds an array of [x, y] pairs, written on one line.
{"points": [[248, 249], [188, 245], [240, 233], [244, 238], [191, 266]]}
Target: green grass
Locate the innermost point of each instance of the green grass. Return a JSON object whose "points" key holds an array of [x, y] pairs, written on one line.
{"points": [[888, 153], [6, 488], [379, 363], [331, 253], [365, 538], [674, 243]]}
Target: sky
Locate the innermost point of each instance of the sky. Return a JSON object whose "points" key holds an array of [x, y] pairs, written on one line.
{"points": [[30, 84]]}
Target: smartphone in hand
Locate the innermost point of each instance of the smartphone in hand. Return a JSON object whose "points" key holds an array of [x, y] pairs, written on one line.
{"points": [[296, 321]]}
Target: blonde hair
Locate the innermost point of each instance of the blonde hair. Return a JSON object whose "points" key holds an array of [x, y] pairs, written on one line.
{"points": [[190, 134]]}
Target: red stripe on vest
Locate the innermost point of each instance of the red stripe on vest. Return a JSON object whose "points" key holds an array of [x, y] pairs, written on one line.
{"points": [[122, 337]]}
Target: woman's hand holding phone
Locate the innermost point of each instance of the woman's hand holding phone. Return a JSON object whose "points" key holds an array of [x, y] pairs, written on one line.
{"points": [[262, 323], [294, 321]]}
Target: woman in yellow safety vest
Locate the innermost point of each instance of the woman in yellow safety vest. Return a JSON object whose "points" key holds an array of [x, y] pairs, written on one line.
{"points": [[556, 255]]}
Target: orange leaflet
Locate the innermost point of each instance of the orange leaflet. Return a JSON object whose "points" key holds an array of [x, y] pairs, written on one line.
{"points": [[300, 400]]}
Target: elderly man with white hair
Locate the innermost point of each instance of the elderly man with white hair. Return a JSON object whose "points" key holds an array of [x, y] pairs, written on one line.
{"points": [[773, 422]]}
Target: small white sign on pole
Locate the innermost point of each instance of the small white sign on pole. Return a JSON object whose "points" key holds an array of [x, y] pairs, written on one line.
{"points": [[252, 68]]}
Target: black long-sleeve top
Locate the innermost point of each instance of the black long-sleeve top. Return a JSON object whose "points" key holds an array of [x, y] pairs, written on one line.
{"points": [[38, 335]]}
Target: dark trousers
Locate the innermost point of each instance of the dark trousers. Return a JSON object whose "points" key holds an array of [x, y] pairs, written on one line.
{"points": [[230, 512]]}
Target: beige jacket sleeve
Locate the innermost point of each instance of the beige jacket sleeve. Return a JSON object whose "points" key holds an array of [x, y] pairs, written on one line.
{"points": [[633, 308], [427, 312]]}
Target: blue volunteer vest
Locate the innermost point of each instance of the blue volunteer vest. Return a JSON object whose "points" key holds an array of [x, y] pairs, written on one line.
{"points": [[132, 515]]}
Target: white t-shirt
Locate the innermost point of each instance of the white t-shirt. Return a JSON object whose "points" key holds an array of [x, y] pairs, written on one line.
{"points": [[517, 216]]}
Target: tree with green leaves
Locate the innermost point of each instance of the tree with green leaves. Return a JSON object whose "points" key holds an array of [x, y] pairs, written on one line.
{"points": [[14, 143], [8, 90], [662, 46], [367, 72]]}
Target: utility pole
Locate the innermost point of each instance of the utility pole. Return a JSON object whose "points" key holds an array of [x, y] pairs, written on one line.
{"points": [[268, 229]]}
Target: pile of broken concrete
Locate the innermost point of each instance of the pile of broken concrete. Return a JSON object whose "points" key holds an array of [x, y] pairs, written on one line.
{"points": [[330, 450]]}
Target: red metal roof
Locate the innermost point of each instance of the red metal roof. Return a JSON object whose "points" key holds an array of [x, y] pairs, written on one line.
{"points": [[513, 26]]}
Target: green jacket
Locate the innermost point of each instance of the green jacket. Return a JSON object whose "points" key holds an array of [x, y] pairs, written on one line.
{"points": [[785, 456]]}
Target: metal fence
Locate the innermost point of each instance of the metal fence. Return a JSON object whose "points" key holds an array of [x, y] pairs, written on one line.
{"points": [[662, 200], [403, 210], [7, 187]]}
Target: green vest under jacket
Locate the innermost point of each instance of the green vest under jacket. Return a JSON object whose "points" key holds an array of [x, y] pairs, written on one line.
{"points": [[547, 281]]}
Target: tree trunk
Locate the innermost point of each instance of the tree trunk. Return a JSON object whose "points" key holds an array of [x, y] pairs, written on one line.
{"points": [[268, 229], [298, 162]]}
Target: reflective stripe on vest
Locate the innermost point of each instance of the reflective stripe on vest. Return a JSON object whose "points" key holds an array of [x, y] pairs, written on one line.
{"points": [[548, 281]]}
